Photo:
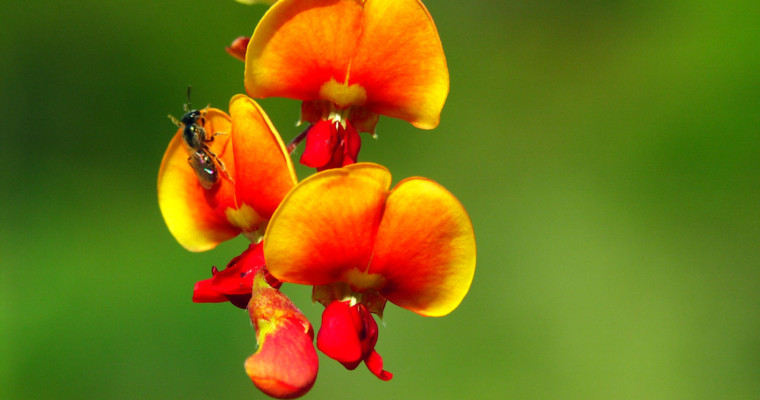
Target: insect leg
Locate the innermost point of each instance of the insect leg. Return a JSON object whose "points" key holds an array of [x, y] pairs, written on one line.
{"points": [[175, 121], [221, 164]]}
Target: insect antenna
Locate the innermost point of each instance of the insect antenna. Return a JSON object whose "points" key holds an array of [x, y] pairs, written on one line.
{"points": [[187, 105]]}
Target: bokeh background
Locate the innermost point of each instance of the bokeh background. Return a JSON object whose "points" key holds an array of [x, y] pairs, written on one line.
{"points": [[608, 153]]}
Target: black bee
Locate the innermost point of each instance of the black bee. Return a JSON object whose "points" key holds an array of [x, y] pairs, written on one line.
{"points": [[204, 162]]}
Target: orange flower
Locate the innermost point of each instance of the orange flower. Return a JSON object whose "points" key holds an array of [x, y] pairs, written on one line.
{"points": [[253, 174], [350, 60], [356, 241]]}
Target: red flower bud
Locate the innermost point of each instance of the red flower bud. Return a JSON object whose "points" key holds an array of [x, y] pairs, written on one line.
{"points": [[285, 365]]}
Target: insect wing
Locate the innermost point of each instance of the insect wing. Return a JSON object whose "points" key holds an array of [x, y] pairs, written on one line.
{"points": [[205, 168]]}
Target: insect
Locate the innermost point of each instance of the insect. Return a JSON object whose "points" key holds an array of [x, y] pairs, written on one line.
{"points": [[202, 160]]}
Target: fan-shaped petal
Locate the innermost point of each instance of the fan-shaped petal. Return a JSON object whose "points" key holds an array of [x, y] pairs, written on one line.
{"points": [[196, 216], [425, 248], [325, 228]]}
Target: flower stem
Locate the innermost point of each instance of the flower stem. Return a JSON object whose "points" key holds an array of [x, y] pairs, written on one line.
{"points": [[297, 140]]}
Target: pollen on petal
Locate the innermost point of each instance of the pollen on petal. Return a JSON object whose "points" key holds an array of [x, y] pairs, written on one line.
{"points": [[343, 95], [235, 282]]}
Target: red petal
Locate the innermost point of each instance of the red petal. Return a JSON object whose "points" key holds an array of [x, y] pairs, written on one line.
{"points": [[321, 143], [338, 337], [352, 143], [238, 47], [366, 325], [205, 292], [286, 364], [375, 364], [234, 283]]}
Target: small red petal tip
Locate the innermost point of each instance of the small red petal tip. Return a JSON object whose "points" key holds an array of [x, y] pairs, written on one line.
{"points": [[238, 47]]}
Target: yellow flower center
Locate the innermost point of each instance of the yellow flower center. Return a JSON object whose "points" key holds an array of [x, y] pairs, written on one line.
{"points": [[342, 94], [247, 219], [362, 281]]}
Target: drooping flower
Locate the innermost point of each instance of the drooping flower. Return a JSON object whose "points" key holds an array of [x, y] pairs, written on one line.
{"points": [[285, 365], [360, 243], [255, 174], [349, 61]]}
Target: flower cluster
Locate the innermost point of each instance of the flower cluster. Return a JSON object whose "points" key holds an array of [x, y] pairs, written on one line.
{"points": [[342, 230]]}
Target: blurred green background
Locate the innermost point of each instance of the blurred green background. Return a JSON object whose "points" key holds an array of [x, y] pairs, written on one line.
{"points": [[608, 153]]}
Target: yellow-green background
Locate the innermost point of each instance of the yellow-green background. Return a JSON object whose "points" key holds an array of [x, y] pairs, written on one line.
{"points": [[608, 153]]}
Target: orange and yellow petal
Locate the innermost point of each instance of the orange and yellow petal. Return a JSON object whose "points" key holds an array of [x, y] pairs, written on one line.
{"points": [[301, 44], [425, 248], [400, 62], [264, 172], [194, 215], [324, 230], [383, 55]]}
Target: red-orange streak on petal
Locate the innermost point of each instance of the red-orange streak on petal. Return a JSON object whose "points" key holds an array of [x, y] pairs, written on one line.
{"points": [[264, 171], [194, 215], [299, 45], [326, 226], [400, 62], [425, 248]]}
